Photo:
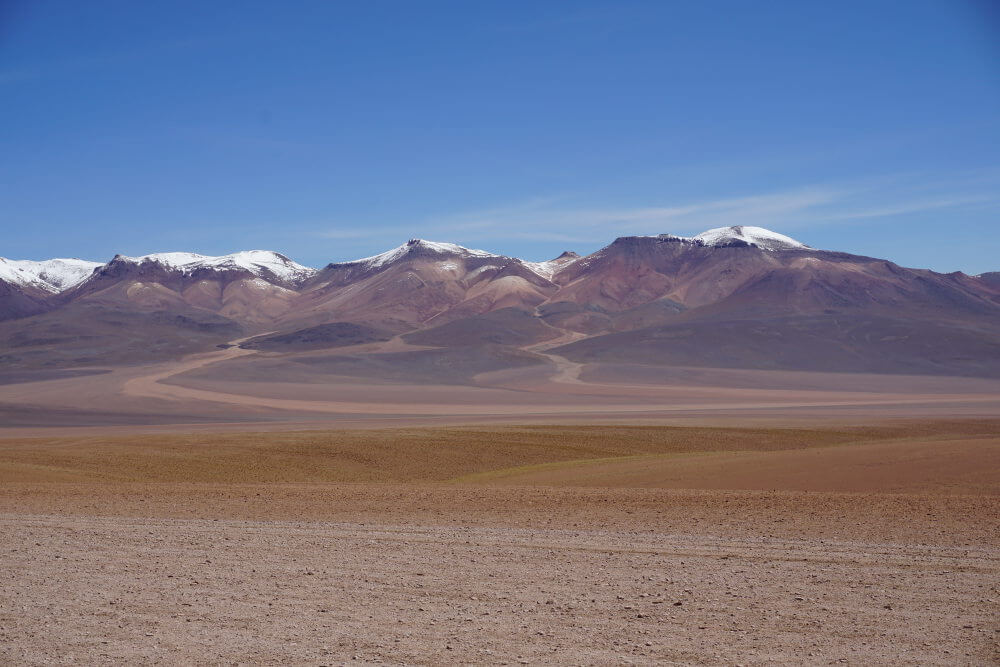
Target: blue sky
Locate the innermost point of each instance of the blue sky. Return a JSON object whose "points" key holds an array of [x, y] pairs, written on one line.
{"points": [[334, 130]]}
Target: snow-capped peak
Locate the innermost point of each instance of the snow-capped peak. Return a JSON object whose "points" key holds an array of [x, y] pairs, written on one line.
{"points": [[548, 268], [254, 261], [51, 275], [419, 246], [764, 239]]}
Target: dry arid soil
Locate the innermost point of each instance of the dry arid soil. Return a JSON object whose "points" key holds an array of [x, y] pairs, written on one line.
{"points": [[492, 544]]}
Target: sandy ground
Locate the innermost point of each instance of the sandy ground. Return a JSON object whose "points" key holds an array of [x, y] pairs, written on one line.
{"points": [[235, 386], [202, 390], [514, 545], [108, 590], [935, 465], [207, 512]]}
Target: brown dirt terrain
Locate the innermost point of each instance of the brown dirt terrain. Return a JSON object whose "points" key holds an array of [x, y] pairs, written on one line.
{"points": [[516, 544], [596, 454], [392, 382], [968, 466]]}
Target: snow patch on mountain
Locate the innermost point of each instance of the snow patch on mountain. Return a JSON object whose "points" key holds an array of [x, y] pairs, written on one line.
{"points": [[418, 246], [764, 239], [256, 262], [548, 268], [544, 269], [51, 275]]}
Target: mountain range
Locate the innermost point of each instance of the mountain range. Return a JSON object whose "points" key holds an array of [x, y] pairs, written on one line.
{"points": [[734, 297]]}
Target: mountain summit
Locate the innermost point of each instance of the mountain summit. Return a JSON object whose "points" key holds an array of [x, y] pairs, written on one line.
{"points": [[417, 247], [50, 275], [764, 239], [262, 263]]}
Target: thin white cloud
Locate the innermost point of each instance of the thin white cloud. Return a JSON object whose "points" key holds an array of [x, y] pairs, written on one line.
{"points": [[912, 207], [554, 219], [596, 224]]}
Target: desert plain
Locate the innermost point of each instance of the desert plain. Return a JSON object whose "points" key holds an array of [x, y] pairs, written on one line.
{"points": [[221, 510], [388, 333]]}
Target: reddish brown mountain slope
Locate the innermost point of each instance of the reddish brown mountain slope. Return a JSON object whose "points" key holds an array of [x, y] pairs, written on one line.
{"points": [[740, 297], [420, 283]]}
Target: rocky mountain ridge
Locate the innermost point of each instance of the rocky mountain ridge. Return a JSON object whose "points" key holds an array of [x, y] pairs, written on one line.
{"points": [[739, 296]]}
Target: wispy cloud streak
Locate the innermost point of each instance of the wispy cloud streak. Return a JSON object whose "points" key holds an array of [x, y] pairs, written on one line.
{"points": [[555, 219]]}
